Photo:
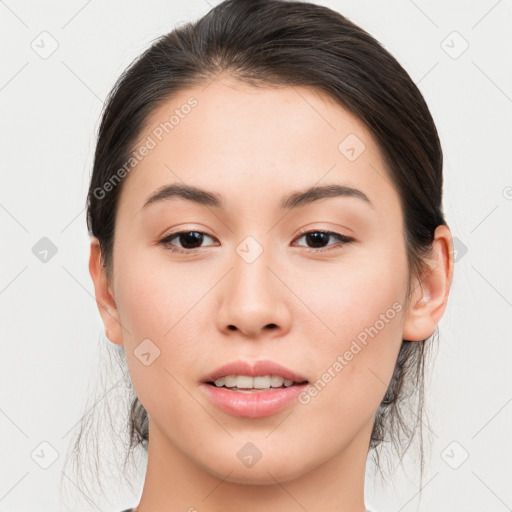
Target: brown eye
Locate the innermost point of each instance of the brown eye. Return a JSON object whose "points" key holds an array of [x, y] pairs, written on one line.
{"points": [[188, 240], [316, 240]]}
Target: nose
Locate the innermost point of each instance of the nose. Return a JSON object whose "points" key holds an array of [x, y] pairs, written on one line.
{"points": [[253, 300]]}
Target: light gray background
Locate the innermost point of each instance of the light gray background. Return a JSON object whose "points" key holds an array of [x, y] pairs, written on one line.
{"points": [[50, 325]]}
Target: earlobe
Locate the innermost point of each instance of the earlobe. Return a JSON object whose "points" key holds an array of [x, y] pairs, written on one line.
{"points": [[430, 293], [104, 295]]}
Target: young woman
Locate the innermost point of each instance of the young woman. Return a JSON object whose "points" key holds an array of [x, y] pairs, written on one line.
{"points": [[270, 253]]}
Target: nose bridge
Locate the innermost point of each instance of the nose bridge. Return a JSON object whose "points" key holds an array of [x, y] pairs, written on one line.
{"points": [[251, 276], [252, 297]]}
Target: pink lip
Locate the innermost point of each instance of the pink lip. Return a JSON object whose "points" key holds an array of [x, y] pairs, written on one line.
{"points": [[256, 403], [252, 404], [256, 369]]}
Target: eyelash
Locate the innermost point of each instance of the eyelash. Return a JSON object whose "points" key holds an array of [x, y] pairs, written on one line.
{"points": [[342, 238]]}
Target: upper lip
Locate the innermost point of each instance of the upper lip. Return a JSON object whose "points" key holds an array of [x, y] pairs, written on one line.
{"points": [[254, 369]]}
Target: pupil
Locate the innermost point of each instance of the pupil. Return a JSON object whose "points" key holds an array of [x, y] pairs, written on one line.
{"points": [[190, 238], [316, 237]]}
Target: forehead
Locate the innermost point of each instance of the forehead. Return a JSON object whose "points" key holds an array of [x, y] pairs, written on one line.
{"points": [[234, 138]]}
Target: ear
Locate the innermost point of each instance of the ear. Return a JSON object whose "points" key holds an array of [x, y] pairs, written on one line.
{"points": [[430, 293], [104, 296]]}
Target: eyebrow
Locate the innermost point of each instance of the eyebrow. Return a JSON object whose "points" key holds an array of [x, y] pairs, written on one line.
{"points": [[294, 200]]}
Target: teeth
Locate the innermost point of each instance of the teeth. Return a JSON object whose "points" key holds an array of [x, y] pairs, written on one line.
{"points": [[246, 382], [242, 381], [230, 381], [265, 382], [276, 381]]}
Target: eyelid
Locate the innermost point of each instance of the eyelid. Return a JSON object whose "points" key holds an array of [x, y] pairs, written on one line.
{"points": [[310, 229]]}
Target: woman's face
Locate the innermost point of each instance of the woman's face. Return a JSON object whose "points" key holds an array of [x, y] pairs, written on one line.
{"points": [[254, 286]]}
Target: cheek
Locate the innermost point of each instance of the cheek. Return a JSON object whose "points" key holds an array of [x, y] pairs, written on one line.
{"points": [[156, 296], [160, 302], [362, 292], [361, 309]]}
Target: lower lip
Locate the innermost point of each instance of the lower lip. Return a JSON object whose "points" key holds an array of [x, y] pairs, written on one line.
{"points": [[253, 404]]}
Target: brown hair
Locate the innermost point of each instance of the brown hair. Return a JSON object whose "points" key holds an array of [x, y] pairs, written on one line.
{"points": [[283, 43]]}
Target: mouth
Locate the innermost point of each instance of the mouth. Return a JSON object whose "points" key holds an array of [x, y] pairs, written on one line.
{"points": [[255, 390]]}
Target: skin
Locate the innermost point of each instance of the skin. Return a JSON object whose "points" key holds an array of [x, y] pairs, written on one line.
{"points": [[252, 146]]}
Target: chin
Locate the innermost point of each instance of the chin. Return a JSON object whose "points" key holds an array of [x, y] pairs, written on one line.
{"points": [[261, 473]]}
